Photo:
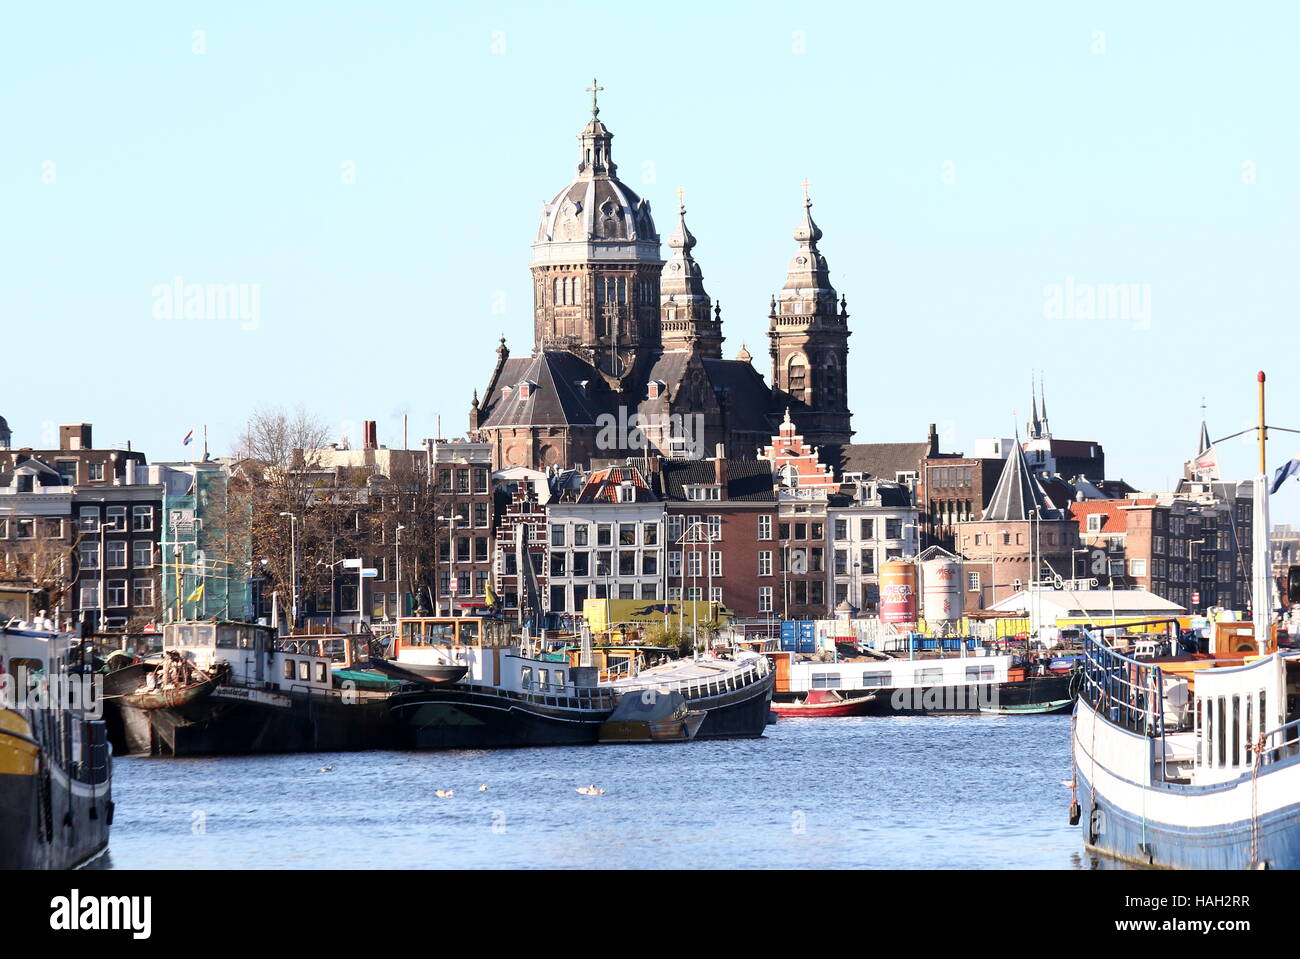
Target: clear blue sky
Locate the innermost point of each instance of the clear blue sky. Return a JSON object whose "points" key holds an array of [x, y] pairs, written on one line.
{"points": [[1116, 158]]}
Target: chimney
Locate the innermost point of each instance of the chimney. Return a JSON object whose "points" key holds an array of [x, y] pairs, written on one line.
{"points": [[720, 467], [75, 436], [934, 441], [369, 435]]}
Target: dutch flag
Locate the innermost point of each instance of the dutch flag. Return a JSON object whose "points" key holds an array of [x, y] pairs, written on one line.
{"points": [[189, 438]]}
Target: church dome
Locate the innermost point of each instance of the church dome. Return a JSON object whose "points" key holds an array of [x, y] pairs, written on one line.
{"points": [[5, 434], [596, 215]]}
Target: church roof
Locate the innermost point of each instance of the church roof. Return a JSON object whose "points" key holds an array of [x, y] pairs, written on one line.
{"points": [[553, 397], [882, 460], [1018, 493], [749, 399]]}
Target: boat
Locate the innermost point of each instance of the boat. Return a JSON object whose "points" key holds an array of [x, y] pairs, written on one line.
{"points": [[1031, 709], [653, 717], [521, 690], [223, 687], [824, 702], [1192, 761], [56, 797], [924, 685]]}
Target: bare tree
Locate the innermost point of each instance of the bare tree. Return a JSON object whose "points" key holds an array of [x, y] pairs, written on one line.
{"points": [[419, 504]]}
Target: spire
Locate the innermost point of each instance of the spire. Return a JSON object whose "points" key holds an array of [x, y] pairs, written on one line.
{"points": [[1018, 492], [807, 278], [1042, 406], [1204, 443], [595, 156], [1034, 429], [686, 316]]}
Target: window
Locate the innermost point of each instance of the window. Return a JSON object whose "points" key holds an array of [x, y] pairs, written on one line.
{"points": [[480, 514], [88, 519], [893, 528], [24, 528], [715, 527], [976, 674], [1094, 522], [116, 554], [674, 565], [841, 529], [53, 528], [115, 595], [875, 680], [765, 527], [765, 562], [89, 596], [580, 534], [141, 554], [558, 566], [650, 564], [765, 599], [928, 677], [95, 471], [650, 534], [715, 563], [627, 534], [627, 564], [694, 563], [142, 592], [973, 582], [141, 519], [825, 680], [557, 535], [480, 480], [88, 555], [115, 518], [867, 528], [288, 669], [581, 563], [604, 534], [703, 492]]}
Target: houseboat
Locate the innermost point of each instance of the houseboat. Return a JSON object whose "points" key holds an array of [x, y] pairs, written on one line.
{"points": [[56, 800], [519, 691], [930, 685], [224, 687]]}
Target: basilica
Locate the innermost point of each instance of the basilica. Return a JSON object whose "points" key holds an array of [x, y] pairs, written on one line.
{"points": [[627, 352]]}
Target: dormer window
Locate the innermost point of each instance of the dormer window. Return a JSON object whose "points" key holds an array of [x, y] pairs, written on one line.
{"points": [[1094, 522], [526, 389], [626, 493], [657, 389], [704, 492], [507, 392]]}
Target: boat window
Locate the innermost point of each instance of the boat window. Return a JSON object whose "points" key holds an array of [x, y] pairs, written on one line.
{"points": [[526, 677], [1207, 734], [543, 677], [559, 679], [320, 672], [469, 633], [925, 677], [439, 634], [870, 680], [203, 635], [304, 670], [825, 680], [227, 637], [245, 640], [1250, 739], [288, 669], [1219, 727], [981, 672], [1236, 730], [411, 634], [185, 636]]}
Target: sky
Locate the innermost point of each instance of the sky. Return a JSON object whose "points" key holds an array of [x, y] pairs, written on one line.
{"points": [[1106, 194]]}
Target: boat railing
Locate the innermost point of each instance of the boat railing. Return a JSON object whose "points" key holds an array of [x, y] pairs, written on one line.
{"points": [[1126, 692], [1280, 743]]}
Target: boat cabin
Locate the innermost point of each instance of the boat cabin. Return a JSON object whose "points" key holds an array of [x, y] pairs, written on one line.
{"points": [[257, 657], [493, 652]]}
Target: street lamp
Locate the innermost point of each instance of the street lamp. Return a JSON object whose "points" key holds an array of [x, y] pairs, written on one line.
{"points": [[451, 561], [397, 551], [293, 565]]}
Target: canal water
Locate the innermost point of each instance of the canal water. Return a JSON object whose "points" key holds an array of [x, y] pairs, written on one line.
{"points": [[961, 792]]}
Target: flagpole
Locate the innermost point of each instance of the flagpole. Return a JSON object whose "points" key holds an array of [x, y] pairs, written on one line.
{"points": [[1261, 562]]}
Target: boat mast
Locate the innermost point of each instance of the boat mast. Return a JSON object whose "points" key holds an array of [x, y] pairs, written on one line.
{"points": [[1261, 561]]}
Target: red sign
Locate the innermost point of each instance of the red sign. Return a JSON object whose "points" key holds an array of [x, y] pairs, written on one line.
{"points": [[454, 585], [1196, 598]]}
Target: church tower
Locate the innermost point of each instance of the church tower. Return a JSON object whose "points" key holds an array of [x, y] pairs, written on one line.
{"points": [[687, 318], [596, 263], [809, 342]]}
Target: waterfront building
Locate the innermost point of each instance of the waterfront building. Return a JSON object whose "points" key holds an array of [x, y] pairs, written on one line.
{"points": [[1022, 537], [606, 541], [869, 522], [721, 518]]}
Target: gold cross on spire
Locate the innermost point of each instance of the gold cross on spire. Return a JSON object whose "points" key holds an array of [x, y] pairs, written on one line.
{"points": [[806, 184], [593, 90], [681, 198]]}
